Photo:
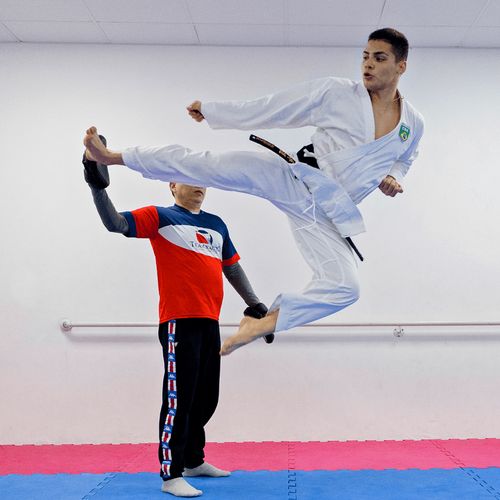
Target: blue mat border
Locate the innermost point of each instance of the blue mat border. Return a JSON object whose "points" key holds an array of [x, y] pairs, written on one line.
{"points": [[414, 484]]}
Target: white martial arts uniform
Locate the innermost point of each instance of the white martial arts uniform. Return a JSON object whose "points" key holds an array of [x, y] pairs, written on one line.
{"points": [[320, 204]]}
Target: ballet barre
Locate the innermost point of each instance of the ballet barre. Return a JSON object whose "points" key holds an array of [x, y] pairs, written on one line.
{"points": [[398, 326]]}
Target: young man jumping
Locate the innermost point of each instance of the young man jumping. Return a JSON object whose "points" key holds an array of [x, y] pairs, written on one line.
{"points": [[367, 137]]}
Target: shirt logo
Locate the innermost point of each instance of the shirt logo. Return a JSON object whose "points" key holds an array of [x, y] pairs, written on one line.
{"points": [[202, 240], [404, 132], [205, 241], [204, 237]]}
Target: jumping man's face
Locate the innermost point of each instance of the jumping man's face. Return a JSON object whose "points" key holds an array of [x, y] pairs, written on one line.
{"points": [[379, 67]]}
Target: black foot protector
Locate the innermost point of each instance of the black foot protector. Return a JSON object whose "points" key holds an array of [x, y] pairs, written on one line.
{"points": [[259, 311], [96, 174]]}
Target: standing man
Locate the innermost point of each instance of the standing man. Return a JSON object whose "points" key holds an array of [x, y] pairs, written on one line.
{"points": [[367, 137], [192, 249]]}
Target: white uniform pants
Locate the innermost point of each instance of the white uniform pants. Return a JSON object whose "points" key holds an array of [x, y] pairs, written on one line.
{"points": [[334, 284]]}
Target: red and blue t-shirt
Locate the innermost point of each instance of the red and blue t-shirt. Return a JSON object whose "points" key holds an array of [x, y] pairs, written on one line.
{"points": [[190, 250]]}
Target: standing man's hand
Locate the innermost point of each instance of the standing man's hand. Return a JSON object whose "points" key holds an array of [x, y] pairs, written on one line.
{"points": [[390, 186], [194, 111]]}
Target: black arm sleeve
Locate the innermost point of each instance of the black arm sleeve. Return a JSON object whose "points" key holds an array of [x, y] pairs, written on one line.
{"points": [[239, 281], [112, 220]]}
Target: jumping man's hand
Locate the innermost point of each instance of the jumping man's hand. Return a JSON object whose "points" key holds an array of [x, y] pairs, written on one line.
{"points": [[194, 111], [390, 186]]}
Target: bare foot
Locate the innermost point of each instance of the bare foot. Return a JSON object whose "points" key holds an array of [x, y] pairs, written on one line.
{"points": [[96, 150], [246, 333]]}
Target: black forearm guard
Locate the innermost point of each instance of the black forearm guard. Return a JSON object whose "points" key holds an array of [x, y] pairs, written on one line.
{"points": [[96, 174], [257, 311]]}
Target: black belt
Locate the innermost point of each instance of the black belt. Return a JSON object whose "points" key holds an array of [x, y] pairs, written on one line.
{"points": [[308, 160]]}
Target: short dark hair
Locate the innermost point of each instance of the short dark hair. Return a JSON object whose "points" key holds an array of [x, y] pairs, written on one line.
{"points": [[395, 38]]}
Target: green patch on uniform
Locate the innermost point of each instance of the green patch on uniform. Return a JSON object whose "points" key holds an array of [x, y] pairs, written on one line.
{"points": [[404, 132]]}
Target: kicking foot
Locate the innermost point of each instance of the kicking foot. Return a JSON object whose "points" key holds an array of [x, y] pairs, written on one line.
{"points": [[180, 488], [97, 151], [247, 333], [206, 469]]}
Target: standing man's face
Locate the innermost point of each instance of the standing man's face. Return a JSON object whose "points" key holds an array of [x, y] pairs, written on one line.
{"points": [[379, 68], [186, 195]]}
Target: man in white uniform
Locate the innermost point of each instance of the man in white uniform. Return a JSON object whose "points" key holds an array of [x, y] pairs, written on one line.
{"points": [[367, 137]]}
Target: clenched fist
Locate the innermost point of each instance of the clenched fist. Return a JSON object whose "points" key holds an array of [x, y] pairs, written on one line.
{"points": [[194, 110], [390, 186]]}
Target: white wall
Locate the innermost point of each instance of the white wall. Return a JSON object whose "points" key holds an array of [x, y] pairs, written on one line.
{"points": [[431, 254]]}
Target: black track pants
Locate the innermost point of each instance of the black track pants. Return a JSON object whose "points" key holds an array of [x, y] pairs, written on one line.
{"points": [[190, 391]]}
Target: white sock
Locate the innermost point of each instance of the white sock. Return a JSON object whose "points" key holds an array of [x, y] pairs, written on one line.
{"points": [[206, 469], [180, 488]]}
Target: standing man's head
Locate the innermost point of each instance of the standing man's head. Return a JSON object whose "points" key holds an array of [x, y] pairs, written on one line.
{"points": [[188, 197], [384, 59]]}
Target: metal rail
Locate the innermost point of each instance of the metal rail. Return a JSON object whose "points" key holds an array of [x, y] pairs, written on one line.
{"points": [[398, 326]]}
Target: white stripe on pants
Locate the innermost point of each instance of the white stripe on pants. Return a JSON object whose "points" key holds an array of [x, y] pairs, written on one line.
{"points": [[334, 284]]}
